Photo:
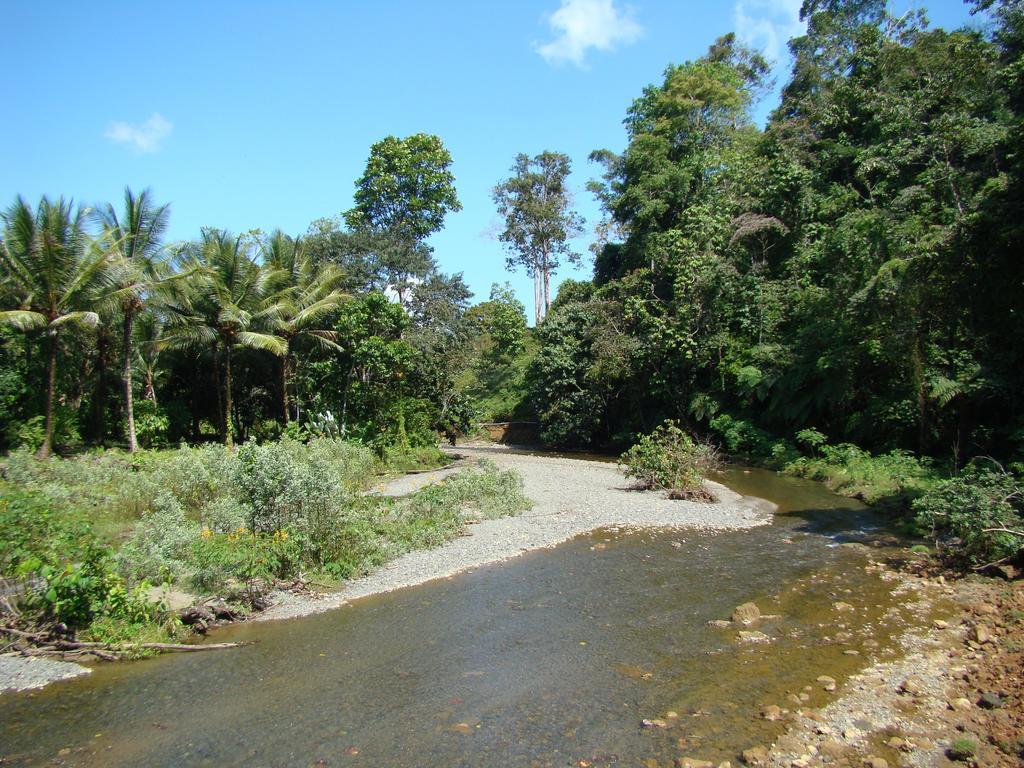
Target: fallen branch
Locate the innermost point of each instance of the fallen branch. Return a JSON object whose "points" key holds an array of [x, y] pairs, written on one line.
{"points": [[47, 646]]}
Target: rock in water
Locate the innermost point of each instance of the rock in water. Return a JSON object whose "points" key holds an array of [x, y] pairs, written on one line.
{"points": [[746, 614]]}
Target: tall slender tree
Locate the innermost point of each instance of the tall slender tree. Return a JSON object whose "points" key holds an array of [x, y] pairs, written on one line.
{"points": [[539, 220], [136, 236], [59, 277]]}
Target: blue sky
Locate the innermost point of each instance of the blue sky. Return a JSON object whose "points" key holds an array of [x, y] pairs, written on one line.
{"points": [[261, 114]]}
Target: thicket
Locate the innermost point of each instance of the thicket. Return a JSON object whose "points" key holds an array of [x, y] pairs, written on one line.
{"points": [[850, 269], [86, 536]]}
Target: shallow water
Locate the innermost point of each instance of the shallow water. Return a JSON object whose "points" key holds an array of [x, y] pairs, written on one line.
{"points": [[548, 660]]}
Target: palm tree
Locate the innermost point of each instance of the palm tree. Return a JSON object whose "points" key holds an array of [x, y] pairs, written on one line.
{"points": [[149, 330], [228, 306], [305, 296], [136, 237], [58, 275]]}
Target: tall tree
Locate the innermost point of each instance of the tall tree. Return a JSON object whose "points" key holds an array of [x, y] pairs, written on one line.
{"points": [[402, 198], [307, 297], [539, 220], [58, 277], [229, 305], [136, 236]]}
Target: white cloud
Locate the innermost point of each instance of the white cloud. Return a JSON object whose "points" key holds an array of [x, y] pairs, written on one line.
{"points": [[145, 138], [768, 25], [580, 25]]}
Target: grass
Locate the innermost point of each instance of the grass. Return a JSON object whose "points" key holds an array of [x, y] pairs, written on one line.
{"points": [[890, 480]]}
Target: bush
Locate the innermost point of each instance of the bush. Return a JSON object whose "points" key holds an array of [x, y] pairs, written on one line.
{"points": [[895, 477], [151, 424], [740, 438], [669, 459], [962, 750], [972, 517], [68, 575]]}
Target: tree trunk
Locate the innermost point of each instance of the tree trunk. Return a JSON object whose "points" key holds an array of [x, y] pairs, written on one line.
{"points": [[228, 404], [46, 449], [547, 291], [126, 379], [195, 398], [150, 390], [99, 405], [284, 388], [538, 302], [218, 384]]}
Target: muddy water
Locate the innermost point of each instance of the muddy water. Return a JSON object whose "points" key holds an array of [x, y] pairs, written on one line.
{"points": [[548, 660]]}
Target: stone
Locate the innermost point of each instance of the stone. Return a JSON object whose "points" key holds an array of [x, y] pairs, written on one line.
{"points": [[960, 705], [940, 624], [720, 624], [990, 700], [911, 687], [753, 637], [654, 722], [843, 607], [876, 762], [746, 614], [981, 634], [828, 683], [692, 762], [831, 749], [755, 757], [790, 745], [772, 712], [851, 652]]}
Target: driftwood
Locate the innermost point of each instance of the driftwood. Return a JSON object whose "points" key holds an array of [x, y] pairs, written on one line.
{"points": [[44, 645]]}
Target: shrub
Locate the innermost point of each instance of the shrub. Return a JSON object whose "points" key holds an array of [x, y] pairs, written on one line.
{"points": [[962, 749], [69, 576], [151, 424], [976, 517], [669, 459], [740, 437]]}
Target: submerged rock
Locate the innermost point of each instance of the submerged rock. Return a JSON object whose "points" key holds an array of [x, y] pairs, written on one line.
{"points": [[746, 614], [754, 637]]}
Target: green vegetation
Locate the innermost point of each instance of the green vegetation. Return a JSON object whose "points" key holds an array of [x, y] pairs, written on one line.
{"points": [[962, 749], [95, 531], [670, 460], [977, 517]]}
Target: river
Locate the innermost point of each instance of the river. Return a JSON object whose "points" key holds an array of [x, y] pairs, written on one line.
{"points": [[552, 659]]}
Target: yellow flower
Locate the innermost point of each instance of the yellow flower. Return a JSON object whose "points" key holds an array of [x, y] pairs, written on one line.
{"points": [[206, 533]]}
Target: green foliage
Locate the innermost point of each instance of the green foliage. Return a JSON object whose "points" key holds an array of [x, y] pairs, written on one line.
{"points": [[152, 425], [671, 460], [69, 575], [894, 478], [976, 517], [962, 749]]}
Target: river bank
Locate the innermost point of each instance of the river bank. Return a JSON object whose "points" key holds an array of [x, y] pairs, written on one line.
{"points": [[953, 696], [570, 497]]}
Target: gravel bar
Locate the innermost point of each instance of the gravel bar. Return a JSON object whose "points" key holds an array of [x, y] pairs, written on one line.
{"points": [[18, 673], [570, 497]]}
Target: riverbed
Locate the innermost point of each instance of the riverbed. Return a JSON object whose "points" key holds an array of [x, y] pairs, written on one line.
{"points": [[553, 658]]}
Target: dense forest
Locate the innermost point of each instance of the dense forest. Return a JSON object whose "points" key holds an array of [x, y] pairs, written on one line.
{"points": [[851, 273]]}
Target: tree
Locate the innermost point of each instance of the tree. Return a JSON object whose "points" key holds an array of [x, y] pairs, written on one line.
{"points": [[137, 239], [539, 221], [306, 298], [58, 277], [228, 305], [402, 198]]}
